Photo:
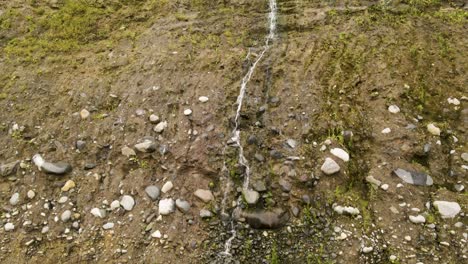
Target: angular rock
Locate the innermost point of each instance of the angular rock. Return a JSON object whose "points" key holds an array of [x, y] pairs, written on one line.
{"points": [[9, 227], [8, 168], [166, 206], [68, 185], [447, 209], [182, 205], [433, 129], [147, 145], [159, 128], [263, 219], [128, 152], [340, 153], [330, 167], [127, 202], [205, 213], [285, 185], [250, 196], [153, 192], [58, 168], [413, 177], [101, 213], [204, 195], [167, 187], [291, 143]]}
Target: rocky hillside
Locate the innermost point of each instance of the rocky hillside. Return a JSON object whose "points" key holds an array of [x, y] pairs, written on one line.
{"points": [[118, 116]]}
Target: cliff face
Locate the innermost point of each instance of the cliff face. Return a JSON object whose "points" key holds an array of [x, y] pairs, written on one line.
{"points": [[91, 83]]}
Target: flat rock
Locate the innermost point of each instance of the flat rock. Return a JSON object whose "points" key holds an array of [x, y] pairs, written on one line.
{"points": [[205, 213], [263, 219], [330, 167], [182, 205], [394, 109], [447, 209], [107, 226], [291, 143], [187, 112], [413, 177], [153, 192], [127, 202], [203, 99], [340, 153], [204, 195], [251, 196], [166, 206], [285, 185]]}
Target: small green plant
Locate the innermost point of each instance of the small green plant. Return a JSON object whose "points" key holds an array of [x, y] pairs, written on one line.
{"points": [[274, 259]]}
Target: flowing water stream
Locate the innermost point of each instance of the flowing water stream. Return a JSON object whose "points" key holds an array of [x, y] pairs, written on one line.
{"points": [[236, 133]]}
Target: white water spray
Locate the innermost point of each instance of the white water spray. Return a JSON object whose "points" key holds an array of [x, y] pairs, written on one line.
{"points": [[236, 131]]}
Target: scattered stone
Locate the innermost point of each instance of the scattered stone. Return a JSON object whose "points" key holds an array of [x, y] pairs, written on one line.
{"points": [[154, 119], [330, 166], [45, 229], [89, 166], [84, 114], [68, 185], [392, 258], [114, 205], [259, 186], [14, 200], [285, 185], [66, 216], [182, 205], [394, 109], [263, 219], [205, 213], [459, 187], [58, 168], [140, 112], [156, 234], [204, 195], [62, 199], [386, 130], [340, 153], [128, 152], [153, 192], [8, 169], [276, 154], [464, 156], [408, 238], [419, 219], [159, 128], [107, 226], [203, 99], [9, 227], [166, 206], [413, 177], [127, 202], [259, 157], [31, 194], [251, 196], [433, 129], [384, 187], [453, 101], [80, 144], [366, 250], [101, 213], [370, 179], [147, 145], [346, 209], [187, 112], [167, 187], [447, 209], [291, 143]]}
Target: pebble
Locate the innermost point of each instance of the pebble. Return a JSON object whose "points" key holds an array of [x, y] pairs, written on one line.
{"points": [[80, 144], [204, 195], [84, 114], [413, 177], [156, 234], [384, 187], [366, 250], [419, 219], [66, 216], [126, 151], [147, 146], [187, 112], [114, 205], [14, 200], [392, 258], [159, 128], [154, 119], [372, 180], [153, 192], [453, 101], [68, 185], [140, 112], [346, 209], [464, 156], [251, 196], [394, 109], [291, 143], [58, 168], [205, 213], [98, 212], [167, 187], [459, 187], [330, 166], [407, 238], [62, 200], [31, 194], [45, 229], [203, 99], [127, 202], [9, 227], [107, 226], [447, 209], [433, 129], [386, 130], [182, 205], [340, 153], [166, 206]]}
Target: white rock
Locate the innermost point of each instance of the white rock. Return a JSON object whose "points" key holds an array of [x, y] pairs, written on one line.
{"points": [[45, 229], [84, 114], [453, 101], [330, 166], [156, 234], [433, 129], [107, 226], [154, 119], [166, 206], [366, 250], [392, 258], [394, 109], [419, 219], [14, 200], [384, 186], [98, 212], [187, 112], [159, 128], [62, 199], [127, 202], [447, 209], [464, 156], [407, 238], [114, 205], [167, 187], [346, 209], [203, 99], [9, 227], [251, 196], [340, 153], [386, 130], [31, 194], [204, 195], [66, 216]]}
